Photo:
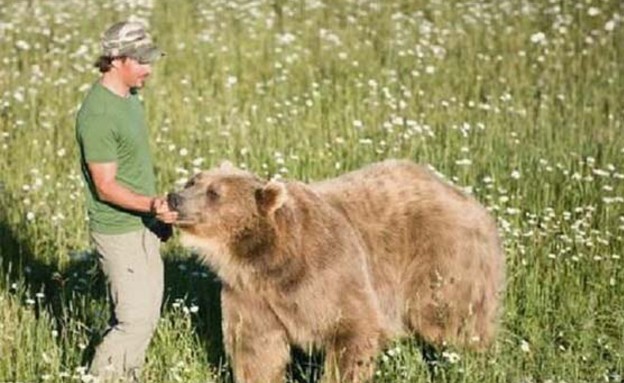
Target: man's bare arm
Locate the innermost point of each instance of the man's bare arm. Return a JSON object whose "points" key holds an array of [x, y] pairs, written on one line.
{"points": [[109, 190]]}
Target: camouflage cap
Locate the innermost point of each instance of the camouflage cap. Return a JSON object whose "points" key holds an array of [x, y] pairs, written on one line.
{"points": [[128, 38]]}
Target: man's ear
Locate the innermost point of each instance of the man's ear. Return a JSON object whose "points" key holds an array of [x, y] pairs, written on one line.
{"points": [[271, 197], [116, 63]]}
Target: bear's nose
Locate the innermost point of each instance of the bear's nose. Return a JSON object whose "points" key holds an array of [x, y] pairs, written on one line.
{"points": [[174, 201]]}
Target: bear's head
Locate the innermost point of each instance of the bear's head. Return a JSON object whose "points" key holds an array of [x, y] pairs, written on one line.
{"points": [[227, 206]]}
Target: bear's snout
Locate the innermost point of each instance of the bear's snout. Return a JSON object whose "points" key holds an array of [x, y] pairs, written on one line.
{"points": [[174, 201]]}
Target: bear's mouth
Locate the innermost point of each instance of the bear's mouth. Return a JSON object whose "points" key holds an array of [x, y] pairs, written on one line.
{"points": [[185, 221]]}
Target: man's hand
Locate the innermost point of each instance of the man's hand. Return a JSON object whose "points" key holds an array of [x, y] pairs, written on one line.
{"points": [[161, 209]]}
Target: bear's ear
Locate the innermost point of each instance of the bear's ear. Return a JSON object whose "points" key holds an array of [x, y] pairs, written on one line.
{"points": [[271, 197], [227, 165]]}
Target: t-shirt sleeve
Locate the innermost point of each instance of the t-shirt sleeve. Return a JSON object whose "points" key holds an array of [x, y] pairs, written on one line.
{"points": [[97, 139]]}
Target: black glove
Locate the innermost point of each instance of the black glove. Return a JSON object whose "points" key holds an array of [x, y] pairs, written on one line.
{"points": [[164, 231]]}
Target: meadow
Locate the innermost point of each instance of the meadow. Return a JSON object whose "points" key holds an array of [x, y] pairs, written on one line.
{"points": [[519, 102]]}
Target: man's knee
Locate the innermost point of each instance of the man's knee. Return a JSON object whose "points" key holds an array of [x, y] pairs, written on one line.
{"points": [[137, 322]]}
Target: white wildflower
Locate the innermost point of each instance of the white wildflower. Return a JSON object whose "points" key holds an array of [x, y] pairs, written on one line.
{"points": [[451, 357], [18, 96], [231, 81], [199, 161], [22, 45], [609, 26], [285, 38], [593, 11], [512, 211], [538, 38]]}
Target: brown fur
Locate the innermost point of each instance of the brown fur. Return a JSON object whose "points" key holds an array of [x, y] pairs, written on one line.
{"points": [[344, 264]]}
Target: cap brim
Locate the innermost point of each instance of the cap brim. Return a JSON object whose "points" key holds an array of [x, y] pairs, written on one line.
{"points": [[148, 54]]}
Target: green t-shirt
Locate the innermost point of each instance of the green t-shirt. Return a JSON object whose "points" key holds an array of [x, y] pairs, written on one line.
{"points": [[111, 128]]}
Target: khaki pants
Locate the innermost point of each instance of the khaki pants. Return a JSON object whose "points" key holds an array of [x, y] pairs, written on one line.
{"points": [[135, 276]]}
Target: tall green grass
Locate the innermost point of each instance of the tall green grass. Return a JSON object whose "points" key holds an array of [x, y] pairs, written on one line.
{"points": [[519, 102]]}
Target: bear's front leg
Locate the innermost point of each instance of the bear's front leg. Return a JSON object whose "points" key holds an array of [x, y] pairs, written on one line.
{"points": [[255, 341], [351, 357]]}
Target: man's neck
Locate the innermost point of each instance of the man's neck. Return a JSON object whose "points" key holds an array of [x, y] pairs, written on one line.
{"points": [[112, 82]]}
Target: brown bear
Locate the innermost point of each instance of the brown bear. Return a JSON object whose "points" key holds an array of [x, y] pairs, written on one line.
{"points": [[344, 265]]}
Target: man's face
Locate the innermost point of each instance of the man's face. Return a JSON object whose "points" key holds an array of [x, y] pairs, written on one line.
{"points": [[132, 72]]}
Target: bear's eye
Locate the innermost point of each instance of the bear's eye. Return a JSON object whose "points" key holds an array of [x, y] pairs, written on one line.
{"points": [[190, 183], [212, 194]]}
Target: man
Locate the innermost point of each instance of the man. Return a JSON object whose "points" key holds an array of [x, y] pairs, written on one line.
{"points": [[124, 213]]}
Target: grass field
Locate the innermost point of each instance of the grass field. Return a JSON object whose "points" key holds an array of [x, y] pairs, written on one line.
{"points": [[521, 102]]}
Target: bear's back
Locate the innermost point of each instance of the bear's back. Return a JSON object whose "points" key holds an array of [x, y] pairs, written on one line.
{"points": [[398, 194], [388, 201], [404, 214]]}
